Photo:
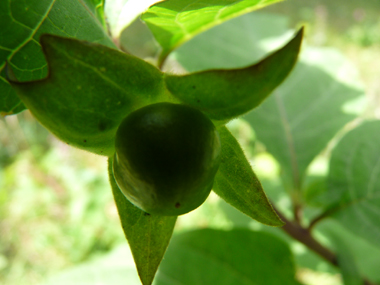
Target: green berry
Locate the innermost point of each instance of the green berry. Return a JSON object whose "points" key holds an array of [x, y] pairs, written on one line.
{"points": [[166, 158]]}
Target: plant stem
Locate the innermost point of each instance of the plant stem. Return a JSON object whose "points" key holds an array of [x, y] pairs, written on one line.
{"points": [[303, 235], [297, 211], [319, 218]]}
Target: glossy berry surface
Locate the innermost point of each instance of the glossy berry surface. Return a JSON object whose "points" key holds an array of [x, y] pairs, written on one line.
{"points": [[166, 158]]}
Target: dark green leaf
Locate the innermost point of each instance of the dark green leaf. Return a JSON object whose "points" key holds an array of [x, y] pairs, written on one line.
{"points": [[176, 21], [354, 182], [225, 94], [239, 257], [238, 185], [89, 90], [22, 24], [148, 235], [9, 101]]}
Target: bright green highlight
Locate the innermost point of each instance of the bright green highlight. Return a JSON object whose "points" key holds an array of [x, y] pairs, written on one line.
{"points": [[176, 21]]}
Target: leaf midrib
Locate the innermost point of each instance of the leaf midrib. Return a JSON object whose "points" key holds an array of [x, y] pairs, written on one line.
{"points": [[289, 140]]}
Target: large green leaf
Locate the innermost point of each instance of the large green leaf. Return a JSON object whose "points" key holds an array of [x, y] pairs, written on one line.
{"points": [[228, 93], [176, 21], [346, 262], [148, 235], [301, 117], [354, 182], [89, 90], [23, 22], [238, 185], [239, 257]]}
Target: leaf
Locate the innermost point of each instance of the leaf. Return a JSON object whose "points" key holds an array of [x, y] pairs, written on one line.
{"points": [[227, 257], [148, 235], [121, 13], [9, 102], [225, 94], [347, 263], [301, 117], [97, 10], [24, 22], [176, 21], [234, 44], [238, 185], [324, 82], [89, 90], [365, 254], [303, 257], [354, 182]]}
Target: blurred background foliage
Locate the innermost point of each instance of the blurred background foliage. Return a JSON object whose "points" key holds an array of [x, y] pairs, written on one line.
{"points": [[58, 221]]}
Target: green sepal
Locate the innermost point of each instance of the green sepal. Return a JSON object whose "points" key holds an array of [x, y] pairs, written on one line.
{"points": [[148, 235], [226, 94], [238, 185], [90, 88]]}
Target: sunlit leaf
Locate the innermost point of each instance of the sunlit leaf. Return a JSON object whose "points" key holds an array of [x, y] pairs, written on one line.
{"points": [[176, 21], [354, 182], [234, 44], [238, 185], [347, 263], [301, 117], [364, 254], [23, 22], [121, 13], [148, 235]]}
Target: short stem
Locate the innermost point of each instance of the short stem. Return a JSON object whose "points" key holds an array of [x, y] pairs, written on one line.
{"points": [[304, 236], [320, 217], [297, 212]]}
